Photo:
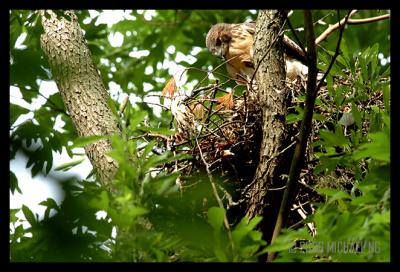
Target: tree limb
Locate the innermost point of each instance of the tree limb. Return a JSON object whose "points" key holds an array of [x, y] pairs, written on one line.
{"points": [[349, 21], [312, 91]]}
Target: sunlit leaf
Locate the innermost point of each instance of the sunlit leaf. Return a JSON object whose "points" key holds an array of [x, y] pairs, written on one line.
{"points": [[169, 88], [216, 217], [68, 165], [84, 141], [15, 112], [378, 149], [30, 217], [225, 101], [14, 183]]}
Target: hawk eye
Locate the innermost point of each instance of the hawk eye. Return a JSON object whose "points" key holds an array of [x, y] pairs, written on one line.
{"points": [[218, 43]]}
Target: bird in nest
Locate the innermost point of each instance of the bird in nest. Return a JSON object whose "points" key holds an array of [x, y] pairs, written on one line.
{"points": [[234, 44]]}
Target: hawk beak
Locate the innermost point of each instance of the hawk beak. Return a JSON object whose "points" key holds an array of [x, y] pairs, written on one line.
{"points": [[219, 54]]}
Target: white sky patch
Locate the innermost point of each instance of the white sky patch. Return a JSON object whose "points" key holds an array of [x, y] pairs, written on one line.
{"points": [[59, 124], [171, 49], [154, 100], [16, 98], [149, 14], [196, 50], [160, 79], [175, 70], [48, 88], [149, 70], [211, 75], [116, 39], [139, 53], [133, 99], [19, 43], [101, 215], [181, 57], [147, 87], [87, 20], [115, 90], [383, 60], [111, 17], [34, 190], [105, 62]]}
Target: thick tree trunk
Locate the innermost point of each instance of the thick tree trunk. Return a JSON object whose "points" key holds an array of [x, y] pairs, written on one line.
{"points": [[81, 87], [264, 196]]}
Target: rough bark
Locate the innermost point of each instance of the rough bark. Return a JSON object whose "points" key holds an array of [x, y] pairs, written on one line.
{"points": [[264, 195], [81, 87]]}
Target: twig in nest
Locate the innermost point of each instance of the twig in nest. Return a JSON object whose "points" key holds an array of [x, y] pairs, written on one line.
{"points": [[303, 215], [228, 196], [273, 157]]}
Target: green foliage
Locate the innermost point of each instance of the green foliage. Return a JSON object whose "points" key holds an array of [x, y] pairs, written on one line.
{"points": [[148, 217], [354, 223]]}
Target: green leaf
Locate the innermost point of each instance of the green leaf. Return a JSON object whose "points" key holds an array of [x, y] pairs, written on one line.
{"points": [[216, 217], [30, 217], [221, 256], [14, 183], [163, 131], [84, 141], [13, 217], [334, 194], [279, 246], [137, 211], [378, 149], [134, 117], [50, 204], [15, 112], [364, 199], [101, 202], [380, 218], [333, 139], [68, 165], [254, 222]]}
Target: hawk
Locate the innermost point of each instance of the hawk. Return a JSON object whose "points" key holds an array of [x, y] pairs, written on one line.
{"points": [[234, 44]]}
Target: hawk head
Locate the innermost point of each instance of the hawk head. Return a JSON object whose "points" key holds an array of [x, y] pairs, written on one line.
{"points": [[218, 38]]}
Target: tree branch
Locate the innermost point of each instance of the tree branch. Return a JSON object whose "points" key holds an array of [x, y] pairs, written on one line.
{"points": [[350, 21], [312, 91], [304, 130]]}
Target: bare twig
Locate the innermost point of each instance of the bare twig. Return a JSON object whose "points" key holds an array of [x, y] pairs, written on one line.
{"points": [[300, 44], [332, 28], [336, 53], [368, 20], [349, 21], [53, 106], [303, 215], [244, 191], [124, 104]]}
